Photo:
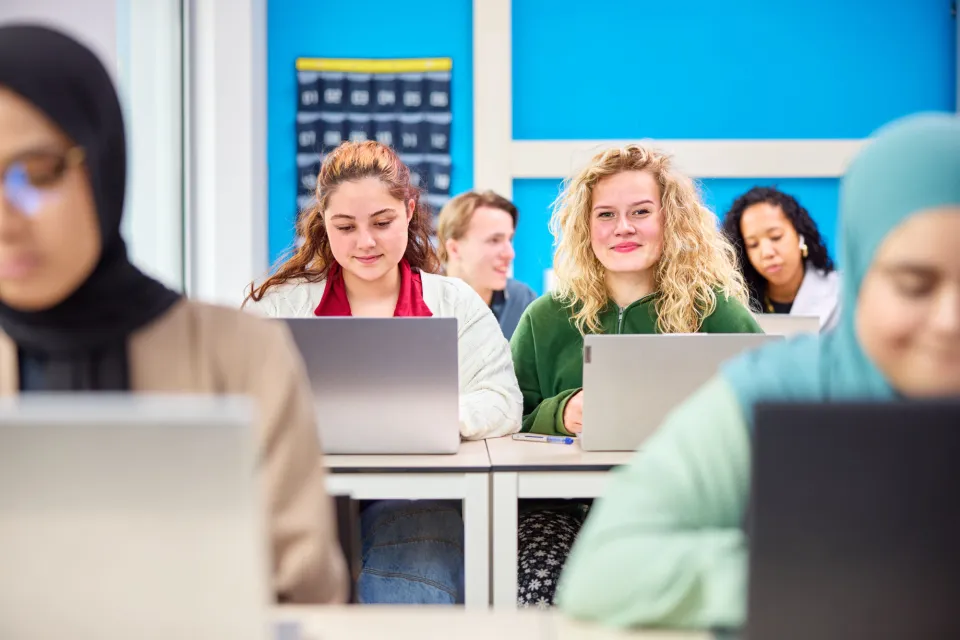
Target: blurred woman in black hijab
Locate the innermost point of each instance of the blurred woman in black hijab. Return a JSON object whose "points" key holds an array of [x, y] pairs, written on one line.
{"points": [[76, 315], [69, 297]]}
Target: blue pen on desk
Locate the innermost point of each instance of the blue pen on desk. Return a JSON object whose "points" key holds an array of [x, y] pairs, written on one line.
{"points": [[534, 437]]}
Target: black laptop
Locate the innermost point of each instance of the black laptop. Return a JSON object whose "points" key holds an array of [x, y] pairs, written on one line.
{"points": [[854, 522]]}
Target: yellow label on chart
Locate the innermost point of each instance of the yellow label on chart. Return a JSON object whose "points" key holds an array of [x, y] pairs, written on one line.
{"points": [[370, 65]]}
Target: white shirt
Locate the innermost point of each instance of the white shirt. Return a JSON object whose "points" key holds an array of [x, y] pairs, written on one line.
{"points": [[490, 401], [819, 295]]}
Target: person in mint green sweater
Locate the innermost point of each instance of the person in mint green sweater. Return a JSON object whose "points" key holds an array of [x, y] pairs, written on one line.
{"points": [[664, 545], [637, 252]]}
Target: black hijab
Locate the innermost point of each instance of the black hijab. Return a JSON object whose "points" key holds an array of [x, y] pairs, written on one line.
{"points": [[81, 343]]}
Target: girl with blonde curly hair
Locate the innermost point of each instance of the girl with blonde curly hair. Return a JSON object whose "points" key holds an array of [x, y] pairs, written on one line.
{"points": [[637, 252]]}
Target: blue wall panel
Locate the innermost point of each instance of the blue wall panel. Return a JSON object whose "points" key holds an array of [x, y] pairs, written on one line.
{"points": [[701, 69], [533, 242], [691, 69], [369, 29], [733, 69]]}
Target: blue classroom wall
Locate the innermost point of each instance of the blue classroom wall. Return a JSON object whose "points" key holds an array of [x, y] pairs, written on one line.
{"points": [[697, 69], [369, 29], [533, 198], [733, 69], [701, 69]]}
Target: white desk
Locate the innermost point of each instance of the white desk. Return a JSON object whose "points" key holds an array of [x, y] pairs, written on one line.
{"points": [[444, 623], [463, 476], [536, 470]]}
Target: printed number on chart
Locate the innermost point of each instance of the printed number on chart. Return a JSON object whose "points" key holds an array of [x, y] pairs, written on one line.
{"points": [[332, 96], [308, 138], [332, 138], [359, 97], [386, 98]]}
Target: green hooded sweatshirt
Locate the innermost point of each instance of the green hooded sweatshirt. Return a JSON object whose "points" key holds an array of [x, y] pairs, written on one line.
{"points": [[548, 350]]}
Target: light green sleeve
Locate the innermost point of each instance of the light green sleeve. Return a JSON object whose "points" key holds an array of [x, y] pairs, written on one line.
{"points": [[664, 545]]}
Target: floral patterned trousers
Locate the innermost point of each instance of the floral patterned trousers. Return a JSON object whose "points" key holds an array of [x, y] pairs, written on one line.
{"points": [[545, 536]]}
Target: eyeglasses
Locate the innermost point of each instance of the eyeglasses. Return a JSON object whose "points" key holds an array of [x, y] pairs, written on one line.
{"points": [[29, 179]]}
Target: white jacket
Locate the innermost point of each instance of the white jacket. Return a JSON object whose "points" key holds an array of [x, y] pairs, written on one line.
{"points": [[819, 295], [490, 400]]}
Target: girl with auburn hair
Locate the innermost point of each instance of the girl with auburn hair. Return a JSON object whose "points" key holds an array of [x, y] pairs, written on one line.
{"points": [[637, 252], [356, 162], [366, 252]]}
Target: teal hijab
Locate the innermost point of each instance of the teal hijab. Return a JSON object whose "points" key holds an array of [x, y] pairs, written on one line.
{"points": [[908, 166]]}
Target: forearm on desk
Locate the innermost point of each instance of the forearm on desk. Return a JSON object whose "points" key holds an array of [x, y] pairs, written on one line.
{"points": [[663, 546]]}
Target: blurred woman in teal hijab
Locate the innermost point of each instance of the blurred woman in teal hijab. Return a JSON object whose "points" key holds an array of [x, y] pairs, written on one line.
{"points": [[664, 546]]}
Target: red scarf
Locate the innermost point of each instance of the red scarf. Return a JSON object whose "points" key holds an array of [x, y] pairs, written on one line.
{"points": [[409, 304]]}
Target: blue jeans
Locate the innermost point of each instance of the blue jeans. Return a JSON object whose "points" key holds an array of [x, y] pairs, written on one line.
{"points": [[411, 552]]}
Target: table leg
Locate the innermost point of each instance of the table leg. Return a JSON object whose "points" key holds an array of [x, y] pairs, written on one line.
{"points": [[505, 505], [476, 541]]}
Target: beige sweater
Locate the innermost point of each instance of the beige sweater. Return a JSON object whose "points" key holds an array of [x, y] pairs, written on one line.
{"points": [[206, 349]]}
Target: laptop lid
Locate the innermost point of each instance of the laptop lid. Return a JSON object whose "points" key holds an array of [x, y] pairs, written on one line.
{"points": [[854, 529], [127, 516], [383, 385], [631, 382], [783, 324]]}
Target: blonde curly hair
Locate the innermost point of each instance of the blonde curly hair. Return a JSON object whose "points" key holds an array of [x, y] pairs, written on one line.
{"points": [[697, 262]]}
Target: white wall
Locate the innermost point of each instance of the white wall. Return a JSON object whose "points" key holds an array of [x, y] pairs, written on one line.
{"points": [[151, 79], [138, 42], [93, 22]]}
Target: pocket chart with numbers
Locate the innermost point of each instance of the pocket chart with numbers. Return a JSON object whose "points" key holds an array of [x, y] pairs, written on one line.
{"points": [[404, 103]]}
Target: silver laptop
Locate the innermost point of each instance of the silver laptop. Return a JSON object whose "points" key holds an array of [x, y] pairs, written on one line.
{"points": [[783, 324], [631, 382], [383, 385], [125, 516]]}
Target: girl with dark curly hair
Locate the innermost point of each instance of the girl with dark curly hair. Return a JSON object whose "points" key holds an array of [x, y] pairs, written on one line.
{"points": [[784, 260]]}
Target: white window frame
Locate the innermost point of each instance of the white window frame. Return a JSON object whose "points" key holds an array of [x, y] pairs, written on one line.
{"points": [[225, 143], [150, 81]]}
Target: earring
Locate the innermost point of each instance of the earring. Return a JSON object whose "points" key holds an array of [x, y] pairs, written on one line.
{"points": [[803, 247]]}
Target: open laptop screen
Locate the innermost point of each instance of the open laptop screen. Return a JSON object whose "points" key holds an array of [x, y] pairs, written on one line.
{"points": [[854, 527]]}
